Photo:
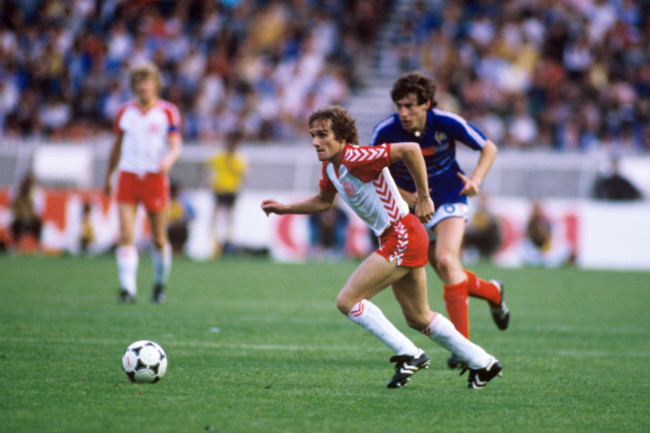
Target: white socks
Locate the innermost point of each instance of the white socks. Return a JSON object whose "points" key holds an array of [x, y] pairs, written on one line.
{"points": [[368, 315], [127, 267], [162, 264], [443, 332]]}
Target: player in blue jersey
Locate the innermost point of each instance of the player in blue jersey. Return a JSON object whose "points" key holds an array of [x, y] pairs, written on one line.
{"points": [[437, 132]]}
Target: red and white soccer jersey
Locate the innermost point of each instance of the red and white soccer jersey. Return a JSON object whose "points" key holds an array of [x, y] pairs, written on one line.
{"points": [[365, 184], [145, 135]]}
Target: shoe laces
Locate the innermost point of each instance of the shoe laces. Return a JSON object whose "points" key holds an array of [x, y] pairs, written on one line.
{"points": [[400, 361]]}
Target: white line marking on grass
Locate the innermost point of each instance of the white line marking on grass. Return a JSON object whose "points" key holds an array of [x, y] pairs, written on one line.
{"points": [[216, 345]]}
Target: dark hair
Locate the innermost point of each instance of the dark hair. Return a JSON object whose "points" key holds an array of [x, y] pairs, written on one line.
{"points": [[341, 123], [417, 83]]}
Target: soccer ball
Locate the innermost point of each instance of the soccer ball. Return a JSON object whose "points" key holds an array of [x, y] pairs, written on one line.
{"points": [[144, 362]]}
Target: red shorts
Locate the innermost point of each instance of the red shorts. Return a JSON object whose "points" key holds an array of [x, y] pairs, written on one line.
{"points": [[152, 190], [406, 241]]}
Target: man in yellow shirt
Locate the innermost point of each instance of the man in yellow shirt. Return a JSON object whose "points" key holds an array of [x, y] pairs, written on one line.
{"points": [[228, 170]]}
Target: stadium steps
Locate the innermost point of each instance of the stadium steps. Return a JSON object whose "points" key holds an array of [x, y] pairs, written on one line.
{"points": [[372, 102]]}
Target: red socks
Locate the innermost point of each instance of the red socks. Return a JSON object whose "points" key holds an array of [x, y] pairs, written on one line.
{"points": [[456, 301], [482, 289], [456, 297]]}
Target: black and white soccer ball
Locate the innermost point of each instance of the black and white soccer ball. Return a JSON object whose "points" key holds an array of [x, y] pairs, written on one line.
{"points": [[144, 362]]}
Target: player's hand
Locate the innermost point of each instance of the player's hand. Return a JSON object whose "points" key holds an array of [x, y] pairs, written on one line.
{"points": [[470, 188], [166, 165], [411, 198], [424, 209], [108, 187], [270, 206]]}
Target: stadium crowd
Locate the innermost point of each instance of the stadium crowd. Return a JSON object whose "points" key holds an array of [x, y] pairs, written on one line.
{"points": [[559, 74], [252, 65]]}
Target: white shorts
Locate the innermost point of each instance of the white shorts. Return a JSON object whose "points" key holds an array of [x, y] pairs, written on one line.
{"points": [[448, 210]]}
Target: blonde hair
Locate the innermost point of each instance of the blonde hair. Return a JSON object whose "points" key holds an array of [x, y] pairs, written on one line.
{"points": [[145, 70]]}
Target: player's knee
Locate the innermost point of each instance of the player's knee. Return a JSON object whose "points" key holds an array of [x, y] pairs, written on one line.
{"points": [[344, 303], [445, 262], [419, 321]]}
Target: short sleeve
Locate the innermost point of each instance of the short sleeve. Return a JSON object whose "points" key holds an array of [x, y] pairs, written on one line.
{"points": [[325, 183], [366, 162]]}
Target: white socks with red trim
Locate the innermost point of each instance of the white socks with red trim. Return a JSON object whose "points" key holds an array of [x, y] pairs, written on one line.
{"points": [[443, 332], [127, 267], [368, 315], [162, 264]]}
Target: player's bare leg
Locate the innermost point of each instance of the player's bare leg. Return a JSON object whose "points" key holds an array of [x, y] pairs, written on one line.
{"points": [[411, 293], [372, 276], [162, 257], [126, 253], [444, 256]]}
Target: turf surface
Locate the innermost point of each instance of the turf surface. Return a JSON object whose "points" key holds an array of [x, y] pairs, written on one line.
{"points": [[259, 346]]}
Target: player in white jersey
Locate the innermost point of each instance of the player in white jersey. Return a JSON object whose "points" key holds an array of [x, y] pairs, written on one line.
{"points": [[361, 176], [148, 142]]}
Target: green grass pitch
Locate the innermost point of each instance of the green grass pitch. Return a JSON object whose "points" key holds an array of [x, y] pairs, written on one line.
{"points": [[259, 346]]}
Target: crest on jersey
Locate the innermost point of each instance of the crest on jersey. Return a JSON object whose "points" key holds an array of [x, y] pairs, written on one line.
{"points": [[440, 137], [349, 188]]}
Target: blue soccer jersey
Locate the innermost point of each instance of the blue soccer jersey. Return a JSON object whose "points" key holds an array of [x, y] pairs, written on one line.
{"points": [[438, 144]]}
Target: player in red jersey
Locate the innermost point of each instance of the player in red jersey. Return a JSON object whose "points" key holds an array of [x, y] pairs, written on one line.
{"points": [[360, 175], [147, 144]]}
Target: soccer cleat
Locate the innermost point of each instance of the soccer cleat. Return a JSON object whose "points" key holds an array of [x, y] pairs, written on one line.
{"points": [[158, 294], [478, 378], [124, 297], [500, 313], [456, 362], [406, 366]]}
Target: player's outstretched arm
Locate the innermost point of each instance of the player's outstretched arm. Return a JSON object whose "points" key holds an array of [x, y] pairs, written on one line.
{"points": [[411, 155], [318, 203]]}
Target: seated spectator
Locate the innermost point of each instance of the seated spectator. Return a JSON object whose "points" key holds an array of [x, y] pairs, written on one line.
{"points": [[615, 186], [87, 230], [483, 233], [327, 233], [539, 247], [26, 224]]}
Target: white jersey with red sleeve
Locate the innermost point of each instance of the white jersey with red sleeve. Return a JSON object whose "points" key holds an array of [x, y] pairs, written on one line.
{"points": [[145, 134], [365, 184]]}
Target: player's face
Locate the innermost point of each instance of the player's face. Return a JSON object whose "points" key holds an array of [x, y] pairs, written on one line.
{"points": [[328, 148], [412, 114], [146, 89]]}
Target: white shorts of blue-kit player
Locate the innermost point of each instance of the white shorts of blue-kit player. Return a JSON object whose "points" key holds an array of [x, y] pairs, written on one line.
{"points": [[447, 210]]}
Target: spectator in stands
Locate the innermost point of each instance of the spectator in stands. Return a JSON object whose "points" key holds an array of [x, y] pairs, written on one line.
{"points": [[26, 224], [614, 186], [580, 68]]}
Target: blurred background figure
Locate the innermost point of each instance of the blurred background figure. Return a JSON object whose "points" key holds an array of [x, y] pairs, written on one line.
{"points": [[87, 230], [614, 186], [228, 170], [483, 233], [539, 246], [181, 213], [26, 225], [327, 234]]}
